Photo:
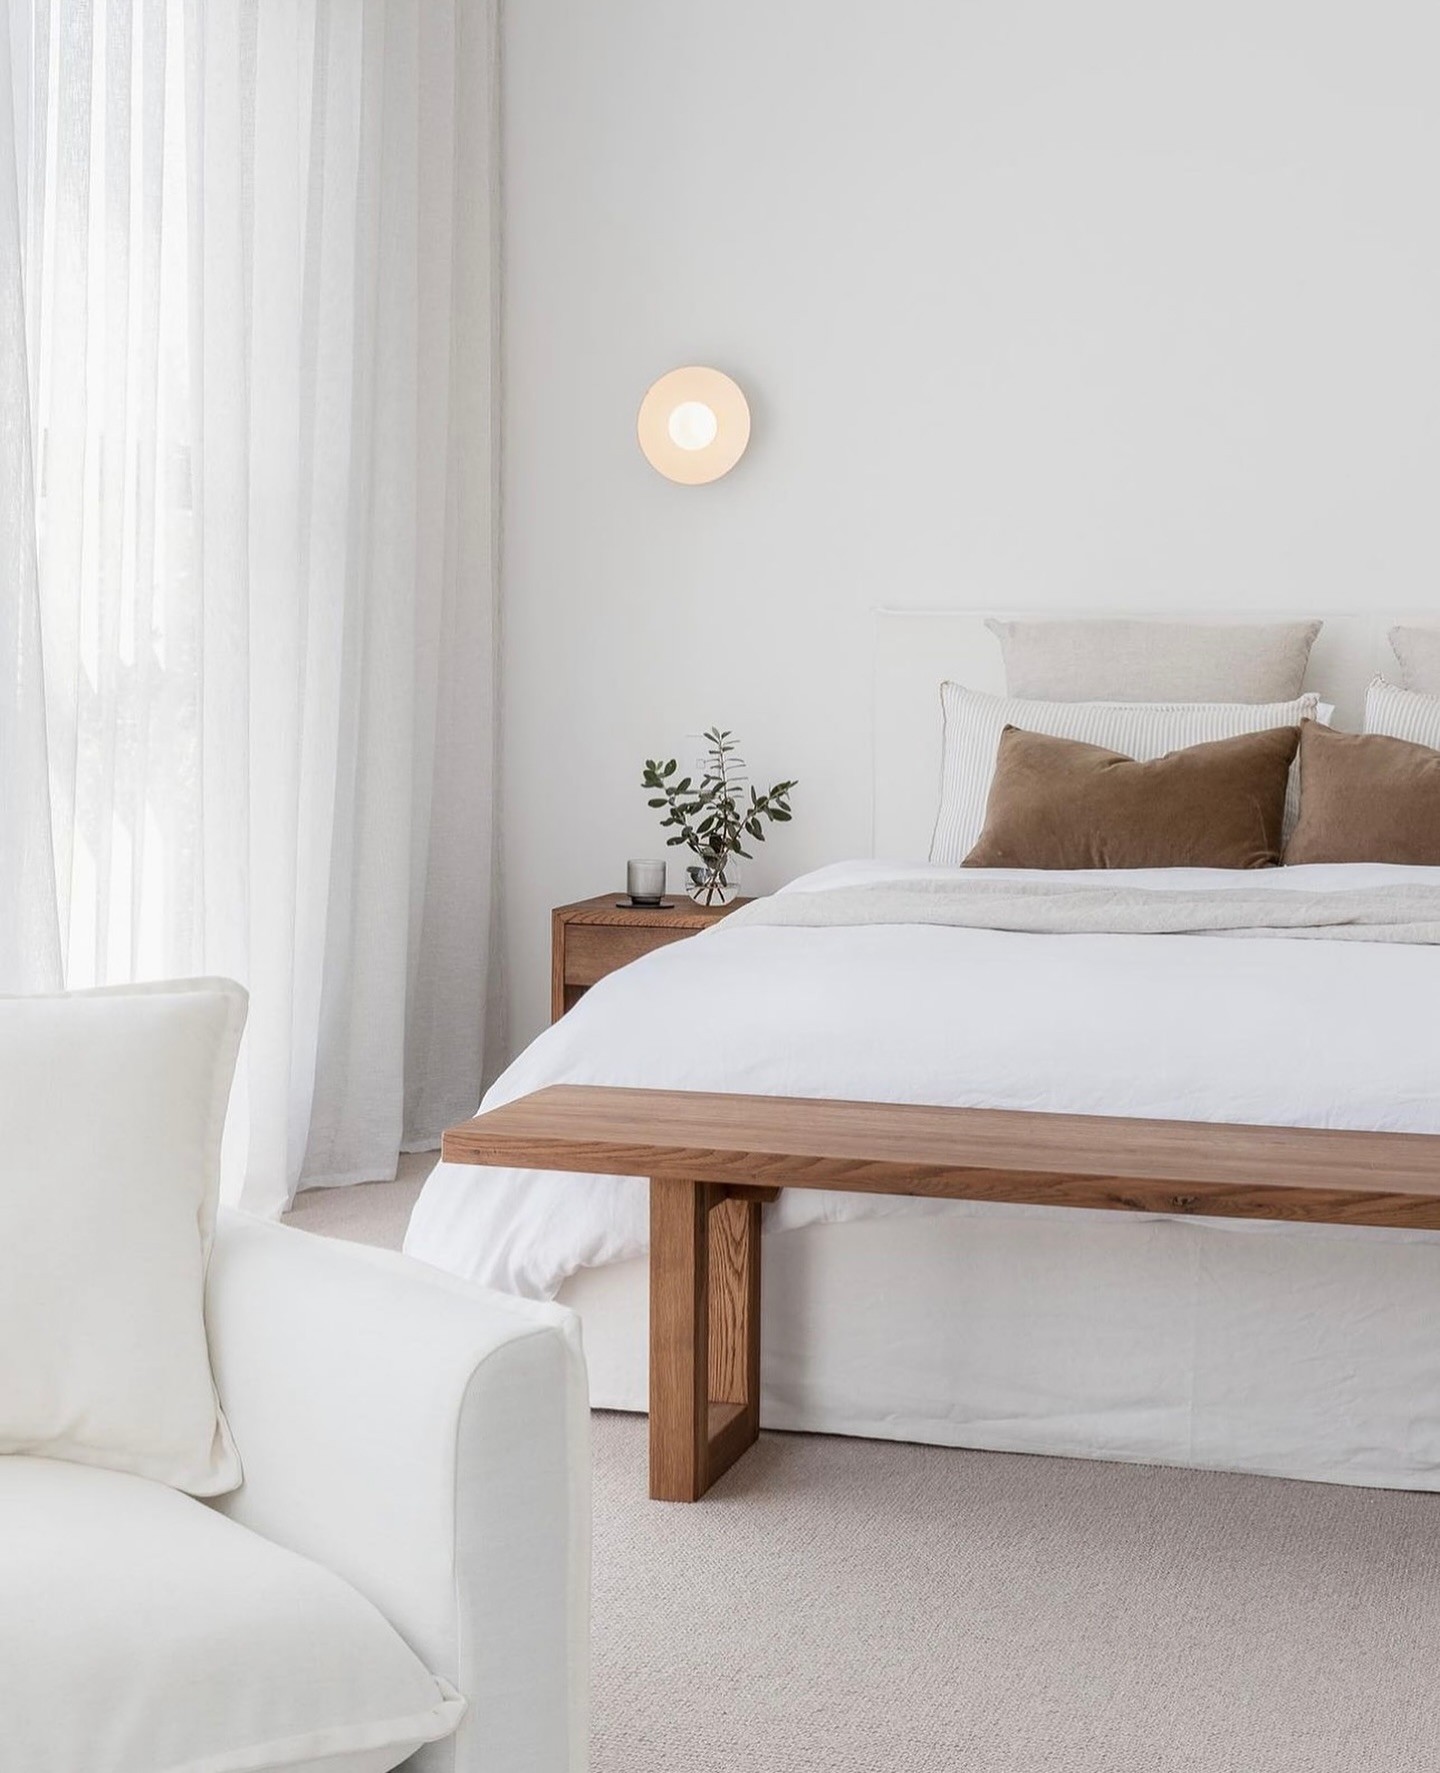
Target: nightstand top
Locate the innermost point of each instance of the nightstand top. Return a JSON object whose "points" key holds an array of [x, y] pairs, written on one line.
{"points": [[605, 909]]}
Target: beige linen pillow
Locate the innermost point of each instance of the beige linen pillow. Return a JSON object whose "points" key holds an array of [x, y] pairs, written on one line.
{"points": [[1058, 803], [1418, 650], [1139, 661], [112, 1106], [1366, 798]]}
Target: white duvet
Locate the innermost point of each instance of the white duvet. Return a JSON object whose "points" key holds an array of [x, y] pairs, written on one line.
{"points": [[1317, 1033]]}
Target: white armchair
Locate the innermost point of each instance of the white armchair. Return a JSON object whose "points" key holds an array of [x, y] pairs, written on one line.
{"points": [[405, 1561], [428, 1442]]}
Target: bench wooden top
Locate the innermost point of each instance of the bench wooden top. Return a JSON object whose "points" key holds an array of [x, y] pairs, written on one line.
{"points": [[1072, 1160]]}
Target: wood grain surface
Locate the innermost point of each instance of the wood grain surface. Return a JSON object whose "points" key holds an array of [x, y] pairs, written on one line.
{"points": [[704, 1335], [713, 1159], [603, 912], [594, 937], [679, 1341], [1158, 1166]]}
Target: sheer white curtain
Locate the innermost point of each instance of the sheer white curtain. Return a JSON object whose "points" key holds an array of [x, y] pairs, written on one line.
{"points": [[246, 323], [29, 930]]}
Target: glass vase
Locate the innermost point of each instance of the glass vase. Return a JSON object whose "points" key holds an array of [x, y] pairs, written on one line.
{"points": [[712, 881]]}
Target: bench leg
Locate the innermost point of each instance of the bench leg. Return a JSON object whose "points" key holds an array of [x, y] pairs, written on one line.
{"points": [[704, 1334]]}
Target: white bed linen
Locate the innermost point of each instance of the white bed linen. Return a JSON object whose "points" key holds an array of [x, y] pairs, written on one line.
{"points": [[1302, 1351], [1264, 1031], [1122, 1336]]}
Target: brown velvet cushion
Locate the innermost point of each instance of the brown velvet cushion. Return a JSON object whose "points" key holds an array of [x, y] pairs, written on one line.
{"points": [[1366, 798], [1057, 803]]}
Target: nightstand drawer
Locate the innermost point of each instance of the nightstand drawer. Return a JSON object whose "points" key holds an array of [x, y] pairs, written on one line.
{"points": [[592, 950], [593, 938]]}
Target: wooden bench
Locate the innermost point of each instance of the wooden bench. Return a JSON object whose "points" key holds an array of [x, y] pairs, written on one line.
{"points": [[713, 1159]]}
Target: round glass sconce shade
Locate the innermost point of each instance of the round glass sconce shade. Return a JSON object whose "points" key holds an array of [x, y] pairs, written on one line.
{"points": [[693, 425]]}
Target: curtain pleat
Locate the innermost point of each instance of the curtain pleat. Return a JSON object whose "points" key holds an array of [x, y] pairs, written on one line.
{"points": [[29, 929], [249, 329]]}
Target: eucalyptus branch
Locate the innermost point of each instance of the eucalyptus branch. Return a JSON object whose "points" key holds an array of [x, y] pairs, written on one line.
{"points": [[712, 817]]}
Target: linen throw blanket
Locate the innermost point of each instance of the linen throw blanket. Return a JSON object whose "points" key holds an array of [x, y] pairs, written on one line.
{"points": [[1367, 914]]}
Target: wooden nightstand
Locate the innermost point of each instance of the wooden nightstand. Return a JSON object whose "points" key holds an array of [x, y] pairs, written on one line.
{"points": [[596, 936]]}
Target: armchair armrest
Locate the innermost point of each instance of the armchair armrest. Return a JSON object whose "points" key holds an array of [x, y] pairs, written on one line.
{"points": [[428, 1441]]}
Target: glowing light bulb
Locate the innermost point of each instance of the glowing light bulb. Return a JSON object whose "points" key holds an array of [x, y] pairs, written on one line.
{"points": [[692, 425]]}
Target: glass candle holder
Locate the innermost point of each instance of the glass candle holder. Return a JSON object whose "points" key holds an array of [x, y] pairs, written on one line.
{"points": [[645, 882]]}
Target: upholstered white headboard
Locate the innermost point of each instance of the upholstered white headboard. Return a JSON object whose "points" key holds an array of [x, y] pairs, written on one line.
{"points": [[917, 650]]}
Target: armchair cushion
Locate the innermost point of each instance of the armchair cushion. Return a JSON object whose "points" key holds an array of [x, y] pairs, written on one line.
{"points": [[140, 1629], [112, 1105]]}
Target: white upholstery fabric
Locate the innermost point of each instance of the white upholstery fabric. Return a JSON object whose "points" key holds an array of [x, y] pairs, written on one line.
{"points": [[140, 1630], [429, 1442], [1123, 660], [112, 1106]]}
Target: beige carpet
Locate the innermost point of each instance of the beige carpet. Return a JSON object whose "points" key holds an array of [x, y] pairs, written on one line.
{"points": [[863, 1607], [842, 1606], [370, 1212]]}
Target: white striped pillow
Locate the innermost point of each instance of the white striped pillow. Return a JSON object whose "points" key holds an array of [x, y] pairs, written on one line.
{"points": [[1402, 714], [1144, 730]]}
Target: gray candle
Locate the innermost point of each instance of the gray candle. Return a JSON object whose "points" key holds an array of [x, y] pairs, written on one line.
{"points": [[645, 882]]}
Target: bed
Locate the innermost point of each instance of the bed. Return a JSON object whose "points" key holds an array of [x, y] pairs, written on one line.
{"points": [[1301, 1351]]}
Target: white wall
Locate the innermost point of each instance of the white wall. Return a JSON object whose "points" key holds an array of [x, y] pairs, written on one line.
{"points": [[1037, 302]]}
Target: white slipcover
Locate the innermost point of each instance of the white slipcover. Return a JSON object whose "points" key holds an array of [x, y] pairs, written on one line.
{"points": [[428, 1441], [139, 1631], [416, 1463]]}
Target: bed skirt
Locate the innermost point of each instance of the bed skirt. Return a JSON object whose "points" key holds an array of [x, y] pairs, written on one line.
{"points": [[1304, 1352]]}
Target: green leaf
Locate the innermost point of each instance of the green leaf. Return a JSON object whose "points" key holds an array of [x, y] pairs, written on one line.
{"points": [[712, 816]]}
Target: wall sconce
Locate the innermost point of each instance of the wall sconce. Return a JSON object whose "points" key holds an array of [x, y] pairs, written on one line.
{"points": [[693, 425]]}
